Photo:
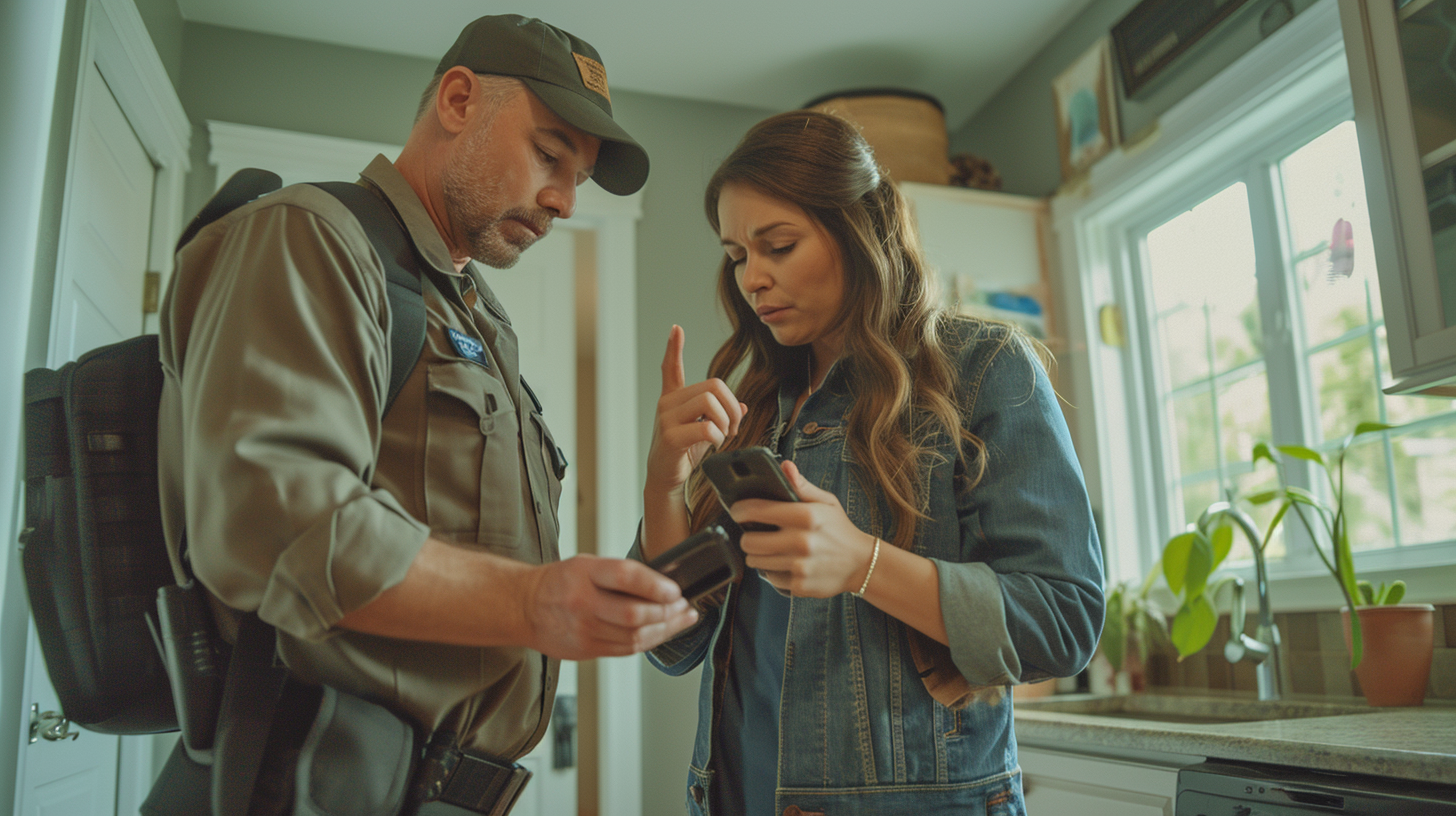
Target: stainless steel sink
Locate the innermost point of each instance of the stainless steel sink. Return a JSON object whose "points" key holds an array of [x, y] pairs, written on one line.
{"points": [[1187, 710]]}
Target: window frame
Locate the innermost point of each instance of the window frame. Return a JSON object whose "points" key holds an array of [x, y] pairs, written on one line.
{"points": [[1237, 127]]}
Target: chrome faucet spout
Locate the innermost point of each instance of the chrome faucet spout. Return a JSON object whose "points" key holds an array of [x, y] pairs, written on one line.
{"points": [[1263, 648]]}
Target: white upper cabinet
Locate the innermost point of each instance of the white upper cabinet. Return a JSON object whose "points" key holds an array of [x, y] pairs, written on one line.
{"points": [[989, 253], [1402, 56]]}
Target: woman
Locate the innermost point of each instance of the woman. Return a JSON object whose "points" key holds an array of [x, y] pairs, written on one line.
{"points": [[943, 547]]}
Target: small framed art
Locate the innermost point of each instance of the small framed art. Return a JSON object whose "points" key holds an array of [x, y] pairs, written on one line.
{"points": [[1086, 110]]}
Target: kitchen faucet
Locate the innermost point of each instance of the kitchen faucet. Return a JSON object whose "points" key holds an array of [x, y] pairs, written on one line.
{"points": [[1263, 648]]}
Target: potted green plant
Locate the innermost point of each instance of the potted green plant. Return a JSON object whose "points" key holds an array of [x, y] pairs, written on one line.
{"points": [[1399, 636], [1134, 623]]}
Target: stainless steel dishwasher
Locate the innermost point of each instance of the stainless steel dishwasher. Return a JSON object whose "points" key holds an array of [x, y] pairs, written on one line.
{"points": [[1219, 788]]}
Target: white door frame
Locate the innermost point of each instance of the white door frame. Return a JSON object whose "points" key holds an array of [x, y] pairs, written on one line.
{"points": [[301, 157], [116, 40], [30, 51]]}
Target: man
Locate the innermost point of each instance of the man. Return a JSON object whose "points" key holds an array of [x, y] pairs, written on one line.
{"points": [[406, 557]]}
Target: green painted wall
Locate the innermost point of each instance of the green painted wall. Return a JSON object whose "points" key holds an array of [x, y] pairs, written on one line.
{"points": [[164, 23]]}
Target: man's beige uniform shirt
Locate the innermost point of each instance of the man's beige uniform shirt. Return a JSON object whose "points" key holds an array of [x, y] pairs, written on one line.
{"points": [[300, 502]]}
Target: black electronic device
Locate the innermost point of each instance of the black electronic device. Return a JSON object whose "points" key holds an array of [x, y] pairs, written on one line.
{"points": [[748, 473], [701, 564]]}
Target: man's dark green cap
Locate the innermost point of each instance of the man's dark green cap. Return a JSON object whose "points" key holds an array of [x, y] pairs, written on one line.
{"points": [[567, 74]]}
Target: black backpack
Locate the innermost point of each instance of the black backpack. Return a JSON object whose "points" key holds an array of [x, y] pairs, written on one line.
{"points": [[93, 551]]}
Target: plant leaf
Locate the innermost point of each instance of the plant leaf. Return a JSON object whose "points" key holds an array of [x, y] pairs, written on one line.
{"points": [[1367, 592], [1345, 562], [1114, 631], [1200, 566], [1371, 427], [1175, 561], [1193, 626], [1222, 540], [1299, 452], [1261, 451], [1265, 497], [1395, 593]]}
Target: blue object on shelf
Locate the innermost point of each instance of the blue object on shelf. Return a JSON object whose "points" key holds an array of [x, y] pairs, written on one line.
{"points": [[1014, 303]]}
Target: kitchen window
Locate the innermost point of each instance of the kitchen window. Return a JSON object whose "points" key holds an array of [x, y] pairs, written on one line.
{"points": [[1221, 271], [1221, 381]]}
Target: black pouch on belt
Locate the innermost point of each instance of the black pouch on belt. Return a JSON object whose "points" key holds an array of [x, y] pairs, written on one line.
{"points": [[464, 780]]}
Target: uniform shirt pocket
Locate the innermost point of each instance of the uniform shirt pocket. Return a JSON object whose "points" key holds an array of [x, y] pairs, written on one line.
{"points": [[473, 479]]}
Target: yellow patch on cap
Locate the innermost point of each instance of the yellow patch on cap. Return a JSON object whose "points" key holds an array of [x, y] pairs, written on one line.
{"points": [[593, 75]]}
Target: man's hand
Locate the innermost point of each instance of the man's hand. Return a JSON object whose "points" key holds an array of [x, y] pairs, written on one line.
{"points": [[586, 607]]}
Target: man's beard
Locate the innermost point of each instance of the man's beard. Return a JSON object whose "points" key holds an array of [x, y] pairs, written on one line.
{"points": [[472, 205]]}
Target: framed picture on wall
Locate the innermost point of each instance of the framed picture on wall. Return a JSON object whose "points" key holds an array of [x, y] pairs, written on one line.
{"points": [[1086, 114]]}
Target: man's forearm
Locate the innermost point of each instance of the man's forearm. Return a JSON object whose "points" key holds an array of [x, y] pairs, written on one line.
{"points": [[452, 595]]}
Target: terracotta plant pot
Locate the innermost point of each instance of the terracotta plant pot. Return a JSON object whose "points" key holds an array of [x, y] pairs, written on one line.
{"points": [[1398, 642]]}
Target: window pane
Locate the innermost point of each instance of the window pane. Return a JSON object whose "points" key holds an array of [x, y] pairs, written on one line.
{"points": [[1344, 380], [1184, 338], [1367, 497], [1193, 423], [1203, 261], [1243, 411], [1324, 200], [1425, 469], [1196, 498]]}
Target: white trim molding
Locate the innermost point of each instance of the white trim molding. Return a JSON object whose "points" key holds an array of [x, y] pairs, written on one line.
{"points": [[296, 157]]}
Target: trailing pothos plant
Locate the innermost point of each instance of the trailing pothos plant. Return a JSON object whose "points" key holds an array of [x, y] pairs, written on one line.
{"points": [[1327, 523], [1190, 560]]}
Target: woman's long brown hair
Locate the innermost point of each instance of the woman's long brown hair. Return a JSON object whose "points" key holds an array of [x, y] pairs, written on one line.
{"points": [[903, 375]]}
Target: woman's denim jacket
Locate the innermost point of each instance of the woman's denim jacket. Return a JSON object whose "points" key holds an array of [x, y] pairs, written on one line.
{"points": [[1020, 573]]}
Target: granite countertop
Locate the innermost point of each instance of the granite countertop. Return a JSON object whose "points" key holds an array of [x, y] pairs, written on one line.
{"points": [[1320, 733]]}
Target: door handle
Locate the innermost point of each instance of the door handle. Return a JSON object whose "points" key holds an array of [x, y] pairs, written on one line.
{"points": [[51, 726]]}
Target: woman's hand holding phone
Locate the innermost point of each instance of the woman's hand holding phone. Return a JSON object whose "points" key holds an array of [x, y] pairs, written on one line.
{"points": [[816, 552]]}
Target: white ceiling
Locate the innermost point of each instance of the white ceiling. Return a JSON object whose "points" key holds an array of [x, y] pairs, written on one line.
{"points": [[773, 54]]}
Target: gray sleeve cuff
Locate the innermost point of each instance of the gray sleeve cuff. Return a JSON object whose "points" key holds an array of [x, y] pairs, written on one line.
{"points": [[975, 621]]}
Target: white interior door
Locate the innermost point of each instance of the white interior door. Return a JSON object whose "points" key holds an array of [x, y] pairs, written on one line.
{"points": [[102, 263], [106, 235], [537, 295]]}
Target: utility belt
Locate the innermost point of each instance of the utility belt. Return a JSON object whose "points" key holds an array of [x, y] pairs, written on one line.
{"points": [[258, 742]]}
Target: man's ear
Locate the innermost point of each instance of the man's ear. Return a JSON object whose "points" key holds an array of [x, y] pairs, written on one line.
{"points": [[455, 98]]}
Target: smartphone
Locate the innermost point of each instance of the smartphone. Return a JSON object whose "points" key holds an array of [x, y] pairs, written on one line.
{"points": [[701, 564], [748, 473]]}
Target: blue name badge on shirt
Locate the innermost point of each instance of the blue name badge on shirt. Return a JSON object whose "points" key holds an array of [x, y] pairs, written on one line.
{"points": [[468, 347]]}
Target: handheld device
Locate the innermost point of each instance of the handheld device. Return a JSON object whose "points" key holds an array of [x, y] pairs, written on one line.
{"points": [[701, 564], [748, 473]]}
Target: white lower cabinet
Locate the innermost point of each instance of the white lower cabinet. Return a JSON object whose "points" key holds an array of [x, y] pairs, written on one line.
{"points": [[1066, 784]]}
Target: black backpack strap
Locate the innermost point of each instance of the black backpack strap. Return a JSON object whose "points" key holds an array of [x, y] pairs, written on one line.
{"points": [[402, 271]]}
